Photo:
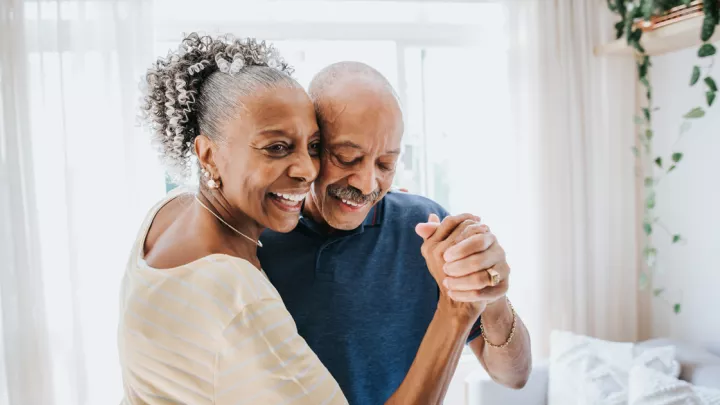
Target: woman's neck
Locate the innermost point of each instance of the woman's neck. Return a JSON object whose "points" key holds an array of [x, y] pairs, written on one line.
{"points": [[239, 230]]}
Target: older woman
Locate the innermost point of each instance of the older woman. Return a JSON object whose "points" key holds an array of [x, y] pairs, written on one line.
{"points": [[200, 323]]}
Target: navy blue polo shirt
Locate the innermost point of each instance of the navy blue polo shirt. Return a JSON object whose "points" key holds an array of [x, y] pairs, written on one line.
{"points": [[362, 299]]}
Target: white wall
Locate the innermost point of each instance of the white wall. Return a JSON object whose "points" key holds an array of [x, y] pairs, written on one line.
{"points": [[457, 391], [688, 202]]}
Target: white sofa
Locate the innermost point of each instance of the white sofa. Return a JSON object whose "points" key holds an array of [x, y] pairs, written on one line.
{"points": [[700, 366]]}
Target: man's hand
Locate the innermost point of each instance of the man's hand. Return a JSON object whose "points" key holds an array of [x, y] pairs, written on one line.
{"points": [[476, 251], [438, 238], [464, 253]]}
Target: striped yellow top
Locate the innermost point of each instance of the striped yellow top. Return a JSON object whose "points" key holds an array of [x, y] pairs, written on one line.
{"points": [[213, 331]]}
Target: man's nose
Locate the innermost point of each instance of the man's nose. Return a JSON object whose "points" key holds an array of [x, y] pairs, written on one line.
{"points": [[364, 179]]}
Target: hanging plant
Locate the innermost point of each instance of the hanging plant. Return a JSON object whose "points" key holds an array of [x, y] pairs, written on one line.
{"points": [[634, 14]]}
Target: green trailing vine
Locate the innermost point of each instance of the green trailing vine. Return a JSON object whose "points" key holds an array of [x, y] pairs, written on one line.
{"points": [[631, 11]]}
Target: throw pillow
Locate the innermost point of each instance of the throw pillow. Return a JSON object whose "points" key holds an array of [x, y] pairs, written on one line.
{"points": [[651, 387], [661, 359], [585, 370]]}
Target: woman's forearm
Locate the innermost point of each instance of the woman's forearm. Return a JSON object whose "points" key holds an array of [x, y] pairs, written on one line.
{"points": [[436, 359]]}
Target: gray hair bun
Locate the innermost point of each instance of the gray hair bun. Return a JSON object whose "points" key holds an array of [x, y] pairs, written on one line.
{"points": [[171, 90]]}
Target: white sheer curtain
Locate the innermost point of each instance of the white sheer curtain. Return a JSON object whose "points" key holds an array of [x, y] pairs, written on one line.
{"points": [[575, 225], [77, 176]]}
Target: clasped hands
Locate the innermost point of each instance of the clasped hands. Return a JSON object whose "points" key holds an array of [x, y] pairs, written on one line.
{"points": [[459, 251]]}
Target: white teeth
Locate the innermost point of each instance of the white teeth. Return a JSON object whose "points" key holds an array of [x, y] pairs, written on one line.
{"points": [[290, 197], [354, 204]]}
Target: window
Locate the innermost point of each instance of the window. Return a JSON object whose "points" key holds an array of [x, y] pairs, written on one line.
{"points": [[434, 54]]}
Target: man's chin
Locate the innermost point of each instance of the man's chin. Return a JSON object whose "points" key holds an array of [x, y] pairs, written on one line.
{"points": [[346, 217]]}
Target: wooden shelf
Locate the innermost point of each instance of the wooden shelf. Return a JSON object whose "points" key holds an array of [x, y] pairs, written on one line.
{"points": [[670, 38]]}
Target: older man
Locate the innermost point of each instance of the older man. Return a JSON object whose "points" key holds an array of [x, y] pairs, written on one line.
{"points": [[360, 272]]}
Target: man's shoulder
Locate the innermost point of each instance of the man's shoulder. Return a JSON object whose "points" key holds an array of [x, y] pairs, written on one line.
{"points": [[407, 206]]}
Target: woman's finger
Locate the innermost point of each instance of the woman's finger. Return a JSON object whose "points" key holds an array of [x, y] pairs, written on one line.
{"points": [[477, 280], [472, 230], [448, 225], [477, 243], [486, 294], [475, 262]]}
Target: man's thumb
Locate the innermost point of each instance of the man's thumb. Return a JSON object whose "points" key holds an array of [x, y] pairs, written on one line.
{"points": [[426, 229]]}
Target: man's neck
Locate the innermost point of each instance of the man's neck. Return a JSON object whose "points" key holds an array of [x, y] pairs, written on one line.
{"points": [[311, 210]]}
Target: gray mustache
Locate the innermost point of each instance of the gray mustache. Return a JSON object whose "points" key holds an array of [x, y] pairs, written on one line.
{"points": [[350, 193]]}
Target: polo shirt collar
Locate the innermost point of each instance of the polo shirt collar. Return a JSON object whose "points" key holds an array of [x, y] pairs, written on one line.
{"points": [[375, 216]]}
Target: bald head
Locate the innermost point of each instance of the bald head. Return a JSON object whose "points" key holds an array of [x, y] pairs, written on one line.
{"points": [[345, 82]]}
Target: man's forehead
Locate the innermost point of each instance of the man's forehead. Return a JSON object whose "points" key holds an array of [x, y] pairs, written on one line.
{"points": [[348, 141], [371, 132], [360, 106]]}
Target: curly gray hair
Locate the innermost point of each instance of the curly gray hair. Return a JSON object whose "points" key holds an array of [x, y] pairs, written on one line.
{"points": [[195, 89]]}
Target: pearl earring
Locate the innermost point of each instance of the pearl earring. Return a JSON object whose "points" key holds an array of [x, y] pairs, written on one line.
{"points": [[211, 183]]}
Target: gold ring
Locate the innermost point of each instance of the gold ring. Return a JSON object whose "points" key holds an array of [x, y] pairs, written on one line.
{"points": [[494, 277]]}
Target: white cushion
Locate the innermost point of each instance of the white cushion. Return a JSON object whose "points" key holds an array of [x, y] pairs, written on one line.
{"points": [[661, 359], [585, 370], [694, 361], [651, 387]]}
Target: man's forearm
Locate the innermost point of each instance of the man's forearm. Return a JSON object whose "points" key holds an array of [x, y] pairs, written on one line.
{"points": [[509, 365], [436, 360]]}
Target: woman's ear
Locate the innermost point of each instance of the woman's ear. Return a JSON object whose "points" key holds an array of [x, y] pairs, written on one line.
{"points": [[205, 152]]}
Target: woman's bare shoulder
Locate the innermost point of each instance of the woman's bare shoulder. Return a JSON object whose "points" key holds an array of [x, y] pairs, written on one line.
{"points": [[169, 242]]}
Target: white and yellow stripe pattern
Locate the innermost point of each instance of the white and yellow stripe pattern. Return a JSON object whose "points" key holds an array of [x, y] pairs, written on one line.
{"points": [[214, 331]]}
